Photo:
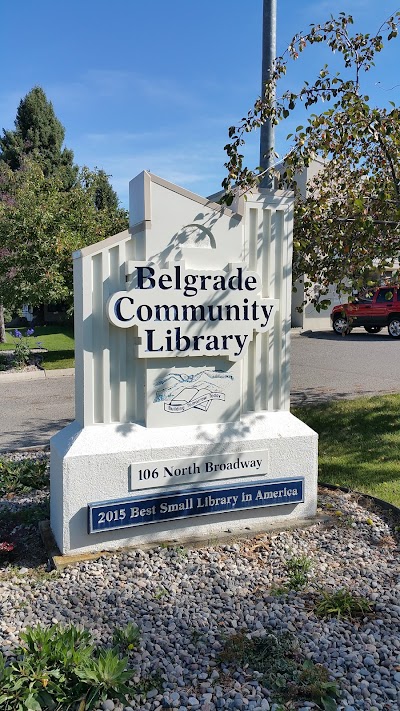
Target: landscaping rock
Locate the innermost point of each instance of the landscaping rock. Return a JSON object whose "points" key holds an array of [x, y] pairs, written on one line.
{"points": [[214, 592]]}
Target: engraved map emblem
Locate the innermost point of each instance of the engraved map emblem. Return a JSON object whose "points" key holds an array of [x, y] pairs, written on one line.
{"points": [[183, 391]]}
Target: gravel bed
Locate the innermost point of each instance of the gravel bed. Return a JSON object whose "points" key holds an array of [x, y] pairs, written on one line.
{"points": [[186, 603], [28, 453]]}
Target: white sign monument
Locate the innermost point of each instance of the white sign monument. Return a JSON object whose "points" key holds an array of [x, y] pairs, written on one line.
{"points": [[182, 327]]}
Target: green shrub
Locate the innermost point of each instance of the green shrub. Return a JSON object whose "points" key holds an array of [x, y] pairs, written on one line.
{"points": [[22, 476], [60, 668], [313, 683]]}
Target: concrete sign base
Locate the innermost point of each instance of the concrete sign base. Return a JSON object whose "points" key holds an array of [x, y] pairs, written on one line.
{"points": [[123, 485]]}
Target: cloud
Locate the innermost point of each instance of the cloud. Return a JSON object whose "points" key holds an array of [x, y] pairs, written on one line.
{"points": [[71, 96], [196, 165], [126, 136], [97, 85]]}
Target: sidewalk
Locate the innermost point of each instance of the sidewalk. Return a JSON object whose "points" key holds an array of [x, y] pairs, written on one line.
{"points": [[35, 374]]}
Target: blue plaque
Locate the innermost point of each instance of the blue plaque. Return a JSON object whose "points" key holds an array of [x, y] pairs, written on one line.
{"points": [[199, 501]]}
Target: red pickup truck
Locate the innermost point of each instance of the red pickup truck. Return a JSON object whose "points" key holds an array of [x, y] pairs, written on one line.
{"points": [[374, 311]]}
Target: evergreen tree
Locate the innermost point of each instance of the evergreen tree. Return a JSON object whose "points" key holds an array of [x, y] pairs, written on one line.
{"points": [[38, 134], [105, 198]]}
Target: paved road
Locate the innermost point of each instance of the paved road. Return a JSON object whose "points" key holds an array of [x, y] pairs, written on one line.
{"points": [[324, 366], [33, 410]]}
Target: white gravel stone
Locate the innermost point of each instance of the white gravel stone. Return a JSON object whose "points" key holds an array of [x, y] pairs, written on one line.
{"points": [[186, 603], [108, 705]]}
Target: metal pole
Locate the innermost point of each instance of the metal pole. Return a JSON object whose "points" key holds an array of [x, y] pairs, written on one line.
{"points": [[267, 141]]}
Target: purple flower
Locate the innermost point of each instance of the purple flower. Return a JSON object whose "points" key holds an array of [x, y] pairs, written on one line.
{"points": [[30, 332], [17, 334]]}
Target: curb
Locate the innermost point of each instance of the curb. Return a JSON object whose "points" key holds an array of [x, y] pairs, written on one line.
{"points": [[29, 448], [36, 375]]}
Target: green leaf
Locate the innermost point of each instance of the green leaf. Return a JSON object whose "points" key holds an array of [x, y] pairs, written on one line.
{"points": [[308, 664], [328, 703], [32, 704]]}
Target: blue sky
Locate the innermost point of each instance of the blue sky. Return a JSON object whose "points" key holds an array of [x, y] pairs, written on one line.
{"points": [[155, 85]]}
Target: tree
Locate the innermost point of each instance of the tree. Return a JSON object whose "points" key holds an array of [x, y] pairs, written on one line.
{"points": [[47, 208], [41, 224], [104, 196], [351, 215], [38, 134]]}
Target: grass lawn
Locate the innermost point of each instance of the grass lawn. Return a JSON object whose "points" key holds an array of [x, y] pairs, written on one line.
{"points": [[359, 444], [58, 340]]}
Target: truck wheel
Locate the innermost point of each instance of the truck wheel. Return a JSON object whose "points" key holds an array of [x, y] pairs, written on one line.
{"points": [[394, 327], [340, 325], [373, 329]]}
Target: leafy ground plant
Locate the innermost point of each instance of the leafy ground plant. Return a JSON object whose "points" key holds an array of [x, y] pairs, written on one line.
{"points": [[298, 569], [343, 603], [19, 526], [60, 668], [127, 639], [22, 476], [278, 657], [22, 348]]}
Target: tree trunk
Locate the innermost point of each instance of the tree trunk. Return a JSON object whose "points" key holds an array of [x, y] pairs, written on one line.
{"points": [[2, 325]]}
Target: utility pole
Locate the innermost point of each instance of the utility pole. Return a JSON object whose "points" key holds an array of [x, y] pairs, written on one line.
{"points": [[267, 138]]}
